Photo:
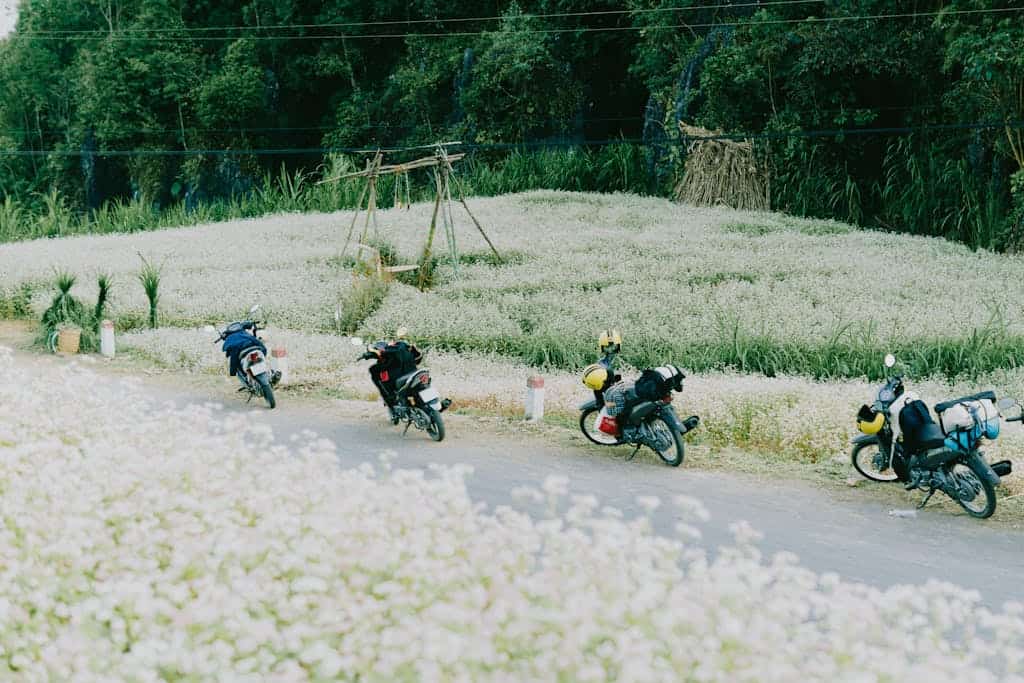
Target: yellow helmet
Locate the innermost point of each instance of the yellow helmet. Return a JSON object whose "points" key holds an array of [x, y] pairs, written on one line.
{"points": [[608, 340], [870, 426], [594, 376]]}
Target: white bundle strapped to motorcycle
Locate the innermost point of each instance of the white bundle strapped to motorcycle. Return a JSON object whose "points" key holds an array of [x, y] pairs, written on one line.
{"points": [[966, 414]]}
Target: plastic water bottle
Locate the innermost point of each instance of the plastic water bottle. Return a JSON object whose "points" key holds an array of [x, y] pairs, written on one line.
{"points": [[903, 513]]}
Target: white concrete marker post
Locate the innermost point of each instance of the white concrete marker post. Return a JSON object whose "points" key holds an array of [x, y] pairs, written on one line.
{"points": [[535, 398], [279, 361], [107, 339]]}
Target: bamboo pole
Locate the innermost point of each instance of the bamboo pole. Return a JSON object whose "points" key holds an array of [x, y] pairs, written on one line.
{"points": [[430, 235], [352, 226], [371, 204], [462, 198], [449, 221]]}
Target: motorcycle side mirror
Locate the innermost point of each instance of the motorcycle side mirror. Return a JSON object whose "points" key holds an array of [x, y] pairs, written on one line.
{"points": [[356, 341], [1005, 404], [209, 328], [252, 311], [890, 360]]}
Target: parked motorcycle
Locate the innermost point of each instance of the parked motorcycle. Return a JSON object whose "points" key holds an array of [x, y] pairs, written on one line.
{"points": [[241, 339], [634, 413], [901, 442], [415, 400]]}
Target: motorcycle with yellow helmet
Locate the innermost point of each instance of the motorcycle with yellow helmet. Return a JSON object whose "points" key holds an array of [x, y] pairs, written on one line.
{"points": [[634, 413], [901, 441]]}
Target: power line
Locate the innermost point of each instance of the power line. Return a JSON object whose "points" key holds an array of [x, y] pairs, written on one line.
{"points": [[407, 22], [433, 124], [117, 37], [312, 151], [288, 129]]}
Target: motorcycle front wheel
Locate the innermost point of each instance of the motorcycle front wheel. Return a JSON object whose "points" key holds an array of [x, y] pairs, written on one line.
{"points": [[865, 457], [588, 425], [268, 393], [975, 494], [663, 432]]}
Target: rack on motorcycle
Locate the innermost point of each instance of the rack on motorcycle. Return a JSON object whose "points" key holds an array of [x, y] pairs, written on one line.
{"points": [[413, 399], [247, 355], [902, 442], [634, 413]]}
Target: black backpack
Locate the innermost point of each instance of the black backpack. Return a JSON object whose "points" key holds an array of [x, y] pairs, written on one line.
{"points": [[653, 385], [914, 420]]}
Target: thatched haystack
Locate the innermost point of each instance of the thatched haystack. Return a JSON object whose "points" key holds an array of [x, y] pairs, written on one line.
{"points": [[721, 172]]}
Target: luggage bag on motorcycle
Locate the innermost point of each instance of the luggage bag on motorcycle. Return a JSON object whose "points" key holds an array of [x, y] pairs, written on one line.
{"points": [[964, 422], [656, 383]]}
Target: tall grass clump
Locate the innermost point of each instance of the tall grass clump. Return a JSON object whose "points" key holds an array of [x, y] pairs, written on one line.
{"points": [[149, 276], [14, 220], [104, 283], [57, 218], [360, 302], [66, 310]]}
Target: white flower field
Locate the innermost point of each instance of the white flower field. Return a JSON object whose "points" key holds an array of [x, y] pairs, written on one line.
{"points": [[661, 272], [145, 543]]}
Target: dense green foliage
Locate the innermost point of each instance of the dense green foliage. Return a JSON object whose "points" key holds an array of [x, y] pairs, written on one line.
{"points": [[152, 110]]}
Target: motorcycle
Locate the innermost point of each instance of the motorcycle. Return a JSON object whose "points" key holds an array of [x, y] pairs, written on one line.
{"points": [[253, 371], [416, 402], [924, 455], [640, 419]]}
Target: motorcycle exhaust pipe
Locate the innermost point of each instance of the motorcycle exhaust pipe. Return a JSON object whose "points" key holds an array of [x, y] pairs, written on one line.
{"points": [[690, 423], [1002, 468]]}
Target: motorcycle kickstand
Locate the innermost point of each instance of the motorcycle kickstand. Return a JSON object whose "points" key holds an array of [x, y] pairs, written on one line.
{"points": [[633, 454], [924, 502], [407, 425]]}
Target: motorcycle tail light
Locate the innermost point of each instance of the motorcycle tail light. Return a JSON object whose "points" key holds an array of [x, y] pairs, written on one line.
{"points": [[424, 379], [253, 357], [667, 398]]}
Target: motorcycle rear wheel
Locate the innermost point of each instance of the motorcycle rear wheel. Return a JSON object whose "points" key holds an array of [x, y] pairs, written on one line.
{"points": [[966, 474], [268, 393], [588, 425], [436, 428]]}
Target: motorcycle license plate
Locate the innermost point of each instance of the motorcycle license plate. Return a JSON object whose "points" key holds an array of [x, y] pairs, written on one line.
{"points": [[428, 395], [258, 368]]}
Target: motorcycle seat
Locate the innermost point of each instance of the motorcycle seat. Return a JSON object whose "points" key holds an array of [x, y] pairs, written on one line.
{"points": [[982, 396], [929, 436], [404, 381]]}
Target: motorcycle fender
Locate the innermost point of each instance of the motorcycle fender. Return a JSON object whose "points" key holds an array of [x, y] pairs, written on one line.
{"points": [[865, 438], [984, 468], [672, 419], [588, 405]]}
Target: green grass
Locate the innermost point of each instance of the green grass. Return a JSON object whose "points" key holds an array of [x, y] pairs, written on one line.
{"points": [[613, 168], [981, 352]]}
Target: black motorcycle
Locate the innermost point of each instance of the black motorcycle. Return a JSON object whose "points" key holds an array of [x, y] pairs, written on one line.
{"points": [[644, 414], [415, 401], [253, 371], [934, 457]]}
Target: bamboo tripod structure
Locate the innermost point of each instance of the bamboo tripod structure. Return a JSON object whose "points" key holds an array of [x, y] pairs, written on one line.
{"points": [[443, 175]]}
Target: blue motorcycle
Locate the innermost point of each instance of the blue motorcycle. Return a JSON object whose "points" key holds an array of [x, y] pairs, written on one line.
{"points": [[247, 357]]}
